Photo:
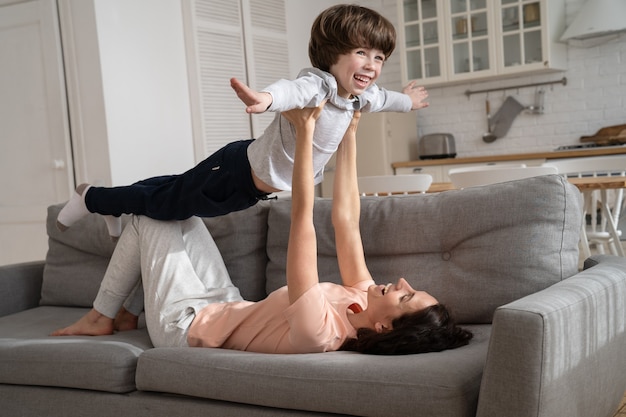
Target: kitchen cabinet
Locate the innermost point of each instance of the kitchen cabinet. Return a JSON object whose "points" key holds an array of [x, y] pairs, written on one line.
{"points": [[451, 41]]}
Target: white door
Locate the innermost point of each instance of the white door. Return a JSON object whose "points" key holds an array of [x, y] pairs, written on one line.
{"points": [[35, 150]]}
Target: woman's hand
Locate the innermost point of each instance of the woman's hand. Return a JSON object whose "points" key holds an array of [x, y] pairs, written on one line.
{"points": [[302, 246], [347, 210], [354, 123], [299, 118]]}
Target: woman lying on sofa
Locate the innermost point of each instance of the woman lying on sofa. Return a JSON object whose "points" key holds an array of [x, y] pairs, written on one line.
{"points": [[191, 301]]}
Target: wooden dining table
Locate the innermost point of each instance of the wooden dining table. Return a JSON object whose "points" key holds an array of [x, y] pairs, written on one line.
{"points": [[586, 185]]}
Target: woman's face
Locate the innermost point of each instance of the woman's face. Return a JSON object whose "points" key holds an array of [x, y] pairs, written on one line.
{"points": [[388, 302]]}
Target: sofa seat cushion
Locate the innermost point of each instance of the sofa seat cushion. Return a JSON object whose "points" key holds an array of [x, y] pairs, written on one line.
{"points": [[28, 356], [442, 384], [473, 249]]}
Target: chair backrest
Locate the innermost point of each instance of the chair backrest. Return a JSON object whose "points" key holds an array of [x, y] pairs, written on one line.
{"points": [[591, 166], [596, 166], [394, 184], [492, 174]]}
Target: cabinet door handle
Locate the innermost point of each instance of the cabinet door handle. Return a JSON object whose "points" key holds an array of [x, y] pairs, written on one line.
{"points": [[417, 170]]}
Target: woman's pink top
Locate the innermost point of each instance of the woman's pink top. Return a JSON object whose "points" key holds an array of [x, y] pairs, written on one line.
{"points": [[316, 322]]}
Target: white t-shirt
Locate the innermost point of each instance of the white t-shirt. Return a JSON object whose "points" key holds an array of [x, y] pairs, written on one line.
{"points": [[271, 155]]}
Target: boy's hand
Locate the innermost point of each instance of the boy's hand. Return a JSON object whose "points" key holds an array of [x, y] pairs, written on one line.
{"points": [[256, 102], [417, 95]]}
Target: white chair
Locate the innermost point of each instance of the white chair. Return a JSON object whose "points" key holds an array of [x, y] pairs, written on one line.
{"points": [[394, 184], [603, 234], [491, 174]]}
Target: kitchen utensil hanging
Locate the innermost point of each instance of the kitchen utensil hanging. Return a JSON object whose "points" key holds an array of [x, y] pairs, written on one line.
{"points": [[503, 119], [489, 136]]}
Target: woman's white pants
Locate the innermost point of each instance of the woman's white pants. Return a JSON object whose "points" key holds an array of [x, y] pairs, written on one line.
{"points": [[181, 270]]}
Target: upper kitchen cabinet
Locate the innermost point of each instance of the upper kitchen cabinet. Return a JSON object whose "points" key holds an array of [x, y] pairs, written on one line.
{"points": [[451, 41], [528, 36]]}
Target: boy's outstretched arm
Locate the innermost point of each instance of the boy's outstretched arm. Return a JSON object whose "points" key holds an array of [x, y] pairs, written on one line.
{"points": [[256, 102], [417, 95]]}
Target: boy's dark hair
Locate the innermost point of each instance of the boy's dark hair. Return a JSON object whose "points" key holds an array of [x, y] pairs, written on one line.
{"points": [[427, 330], [342, 28]]}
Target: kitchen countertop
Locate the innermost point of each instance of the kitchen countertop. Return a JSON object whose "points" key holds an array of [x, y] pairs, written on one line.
{"points": [[570, 153]]}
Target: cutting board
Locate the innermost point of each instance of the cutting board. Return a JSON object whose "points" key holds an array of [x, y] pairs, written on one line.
{"points": [[611, 135]]}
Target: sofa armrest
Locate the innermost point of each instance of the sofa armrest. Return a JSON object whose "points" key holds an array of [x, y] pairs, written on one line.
{"points": [[560, 351], [20, 286]]}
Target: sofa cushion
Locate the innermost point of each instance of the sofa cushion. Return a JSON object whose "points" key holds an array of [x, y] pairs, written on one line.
{"points": [[473, 249], [442, 384], [77, 258], [241, 238], [28, 356]]}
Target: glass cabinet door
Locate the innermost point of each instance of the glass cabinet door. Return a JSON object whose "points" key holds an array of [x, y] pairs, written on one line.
{"points": [[452, 41], [521, 33], [422, 39], [469, 23]]}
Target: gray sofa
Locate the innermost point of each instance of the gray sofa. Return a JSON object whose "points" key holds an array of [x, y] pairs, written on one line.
{"points": [[548, 340]]}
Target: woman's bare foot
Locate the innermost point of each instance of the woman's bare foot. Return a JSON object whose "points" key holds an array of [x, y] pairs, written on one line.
{"points": [[91, 324], [125, 320]]}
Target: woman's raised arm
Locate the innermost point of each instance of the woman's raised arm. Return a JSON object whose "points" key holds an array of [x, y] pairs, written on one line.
{"points": [[346, 211], [302, 247]]}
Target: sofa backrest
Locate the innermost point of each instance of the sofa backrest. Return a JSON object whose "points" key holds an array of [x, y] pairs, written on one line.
{"points": [[473, 249], [77, 258]]}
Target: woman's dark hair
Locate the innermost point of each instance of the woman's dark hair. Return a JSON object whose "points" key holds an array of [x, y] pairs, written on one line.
{"points": [[428, 330], [342, 28]]}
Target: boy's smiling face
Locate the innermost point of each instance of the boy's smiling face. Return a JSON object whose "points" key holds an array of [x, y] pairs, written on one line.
{"points": [[357, 70]]}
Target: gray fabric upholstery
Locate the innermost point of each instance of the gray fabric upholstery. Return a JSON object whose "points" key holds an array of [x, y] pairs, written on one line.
{"points": [[555, 347], [77, 258], [434, 384], [460, 246], [241, 238], [570, 333], [31, 357], [20, 286], [58, 402]]}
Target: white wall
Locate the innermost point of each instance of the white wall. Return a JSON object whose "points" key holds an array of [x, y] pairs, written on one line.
{"points": [[300, 17], [594, 97], [150, 132], [145, 86]]}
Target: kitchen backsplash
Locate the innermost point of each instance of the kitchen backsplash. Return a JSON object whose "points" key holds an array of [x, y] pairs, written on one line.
{"points": [[594, 97]]}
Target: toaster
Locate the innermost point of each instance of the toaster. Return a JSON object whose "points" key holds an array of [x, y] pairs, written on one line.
{"points": [[436, 146]]}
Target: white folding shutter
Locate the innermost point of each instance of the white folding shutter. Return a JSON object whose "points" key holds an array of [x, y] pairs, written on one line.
{"points": [[219, 55], [218, 50], [265, 32]]}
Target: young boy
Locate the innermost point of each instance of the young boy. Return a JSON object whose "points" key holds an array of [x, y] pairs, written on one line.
{"points": [[348, 47]]}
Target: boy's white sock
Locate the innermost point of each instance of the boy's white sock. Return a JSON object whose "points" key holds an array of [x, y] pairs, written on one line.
{"points": [[74, 210]]}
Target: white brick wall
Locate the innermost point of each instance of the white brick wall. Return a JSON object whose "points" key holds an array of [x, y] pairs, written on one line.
{"points": [[594, 97]]}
